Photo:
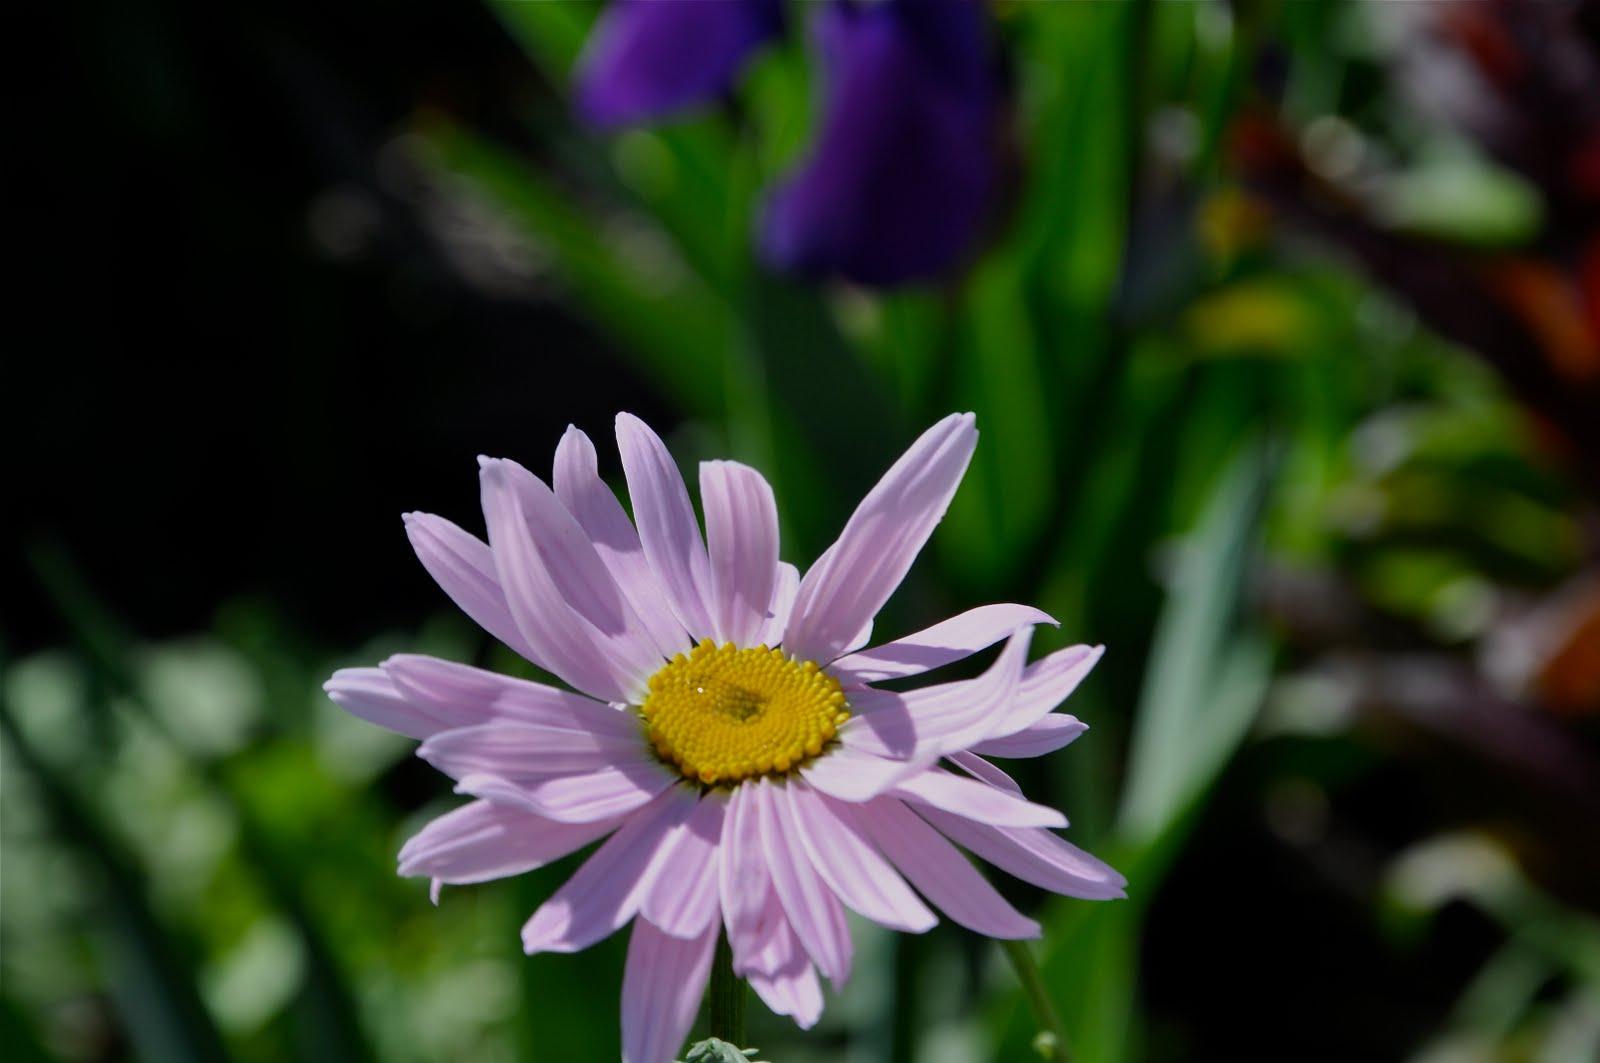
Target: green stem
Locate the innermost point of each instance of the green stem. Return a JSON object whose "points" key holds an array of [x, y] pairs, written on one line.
{"points": [[727, 996], [1051, 1040]]}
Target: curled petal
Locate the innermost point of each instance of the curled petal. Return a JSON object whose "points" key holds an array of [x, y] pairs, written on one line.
{"points": [[1033, 855], [945, 642], [1043, 736]]}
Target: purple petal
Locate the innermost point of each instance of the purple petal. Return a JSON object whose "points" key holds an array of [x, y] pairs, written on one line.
{"points": [[684, 902], [483, 841], [1044, 736], [1045, 684], [744, 883], [976, 800], [464, 568], [951, 640], [851, 774], [372, 695], [612, 791], [786, 981], [526, 752], [936, 720], [939, 871], [650, 58], [851, 867], [605, 892], [578, 485], [667, 527], [459, 695], [742, 543], [902, 175], [849, 584], [979, 768], [813, 910], [783, 592], [661, 988], [1033, 855]]}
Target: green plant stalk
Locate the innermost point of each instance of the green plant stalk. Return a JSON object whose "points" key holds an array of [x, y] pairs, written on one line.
{"points": [[727, 996], [1052, 1038]]}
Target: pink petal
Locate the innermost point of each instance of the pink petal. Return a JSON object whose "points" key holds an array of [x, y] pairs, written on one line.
{"points": [[370, 694], [976, 800], [742, 541], [564, 601], [661, 989], [605, 892], [459, 695], [1045, 684], [940, 872], [464, 568], [783, 592], [935, 720], [814, 912], [851, 867], [786, 981], [526, 752], [856, 575], [684, 902], [743, 880], [667, 527], [1043, 736], [483, 841], [979, 768], [951, 640], [1033, 855], [562, 642], [579, 487], [853, 775], [596, 795]]}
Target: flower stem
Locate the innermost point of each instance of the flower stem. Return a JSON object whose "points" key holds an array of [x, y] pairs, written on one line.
{"points": [[727, 996], [1051, 1041]]}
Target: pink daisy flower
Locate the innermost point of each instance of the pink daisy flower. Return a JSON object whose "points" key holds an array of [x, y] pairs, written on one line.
{"points": [[723, 732]]}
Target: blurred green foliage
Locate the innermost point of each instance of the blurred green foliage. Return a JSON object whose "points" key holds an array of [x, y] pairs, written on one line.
{"points": [[199, 847]]}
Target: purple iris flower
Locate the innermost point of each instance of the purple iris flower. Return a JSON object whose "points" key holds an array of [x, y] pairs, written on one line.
{"points": [[650, 58], [901, 177]]}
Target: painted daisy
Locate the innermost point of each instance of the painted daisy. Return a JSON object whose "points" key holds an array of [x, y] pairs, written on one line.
{"points": [[723, 731]]}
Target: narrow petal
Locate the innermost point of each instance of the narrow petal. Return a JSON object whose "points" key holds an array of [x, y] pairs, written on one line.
{"points": [[813, 910], [464, 568], [459, 695], [854, 775], [527, 752], [950, 640], [976, 800], [851, 867], [562, 641], [935, 720], [979, 768], [592, 796], [786, 980], [783, 593], [742, 543], [667, 527], [684, 902], [856, 575], [370, 694], [605, 892], [482, 841], [1033, 855], [661, 989], [743, 881], [580, 577], [1044, 736], [1045, 684], [578, 485], [940, 872]]}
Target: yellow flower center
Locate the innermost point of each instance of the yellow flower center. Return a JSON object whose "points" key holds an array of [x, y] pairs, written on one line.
{"points": [[720, 714]]}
